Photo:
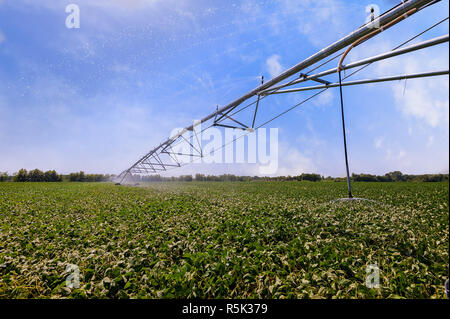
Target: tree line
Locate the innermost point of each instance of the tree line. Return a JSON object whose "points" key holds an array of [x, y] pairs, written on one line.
{"points": [[51, 176], [82, 177], [37, 175], [395, 176]]}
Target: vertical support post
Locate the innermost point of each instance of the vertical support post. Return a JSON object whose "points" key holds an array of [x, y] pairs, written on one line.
{"points": [[256, 110], [257, 103], [345, 140]]}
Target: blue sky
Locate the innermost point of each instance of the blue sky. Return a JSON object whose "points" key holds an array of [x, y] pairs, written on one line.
{"points": [[99, 97]]}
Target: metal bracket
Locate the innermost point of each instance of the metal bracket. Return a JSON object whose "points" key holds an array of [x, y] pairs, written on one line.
{"points": [[319, 80]]}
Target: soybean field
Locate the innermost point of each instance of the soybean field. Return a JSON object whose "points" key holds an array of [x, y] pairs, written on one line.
{"points": [[254, 239]]}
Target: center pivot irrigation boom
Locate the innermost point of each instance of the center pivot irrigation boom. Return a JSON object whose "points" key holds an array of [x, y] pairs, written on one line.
{"points": [[163, 157]]}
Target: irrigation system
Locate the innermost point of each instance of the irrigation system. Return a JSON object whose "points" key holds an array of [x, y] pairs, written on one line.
{"points": [[163, 157]]}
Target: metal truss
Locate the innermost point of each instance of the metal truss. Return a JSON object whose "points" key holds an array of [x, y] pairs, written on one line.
{"points": [[359, 82], [164, 157]]}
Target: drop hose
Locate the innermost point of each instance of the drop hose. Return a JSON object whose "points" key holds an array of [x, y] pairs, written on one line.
{"points": [[340, 68]]}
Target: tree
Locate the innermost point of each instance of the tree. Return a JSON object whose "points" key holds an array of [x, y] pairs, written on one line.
{"points": [[77, 177], [200, 177], [52, 176], [36, 175], [311, 177], [21, 176], [396, 176], [384, 178], [3, 176], [364, 178], [73, 177], [186, 178]]}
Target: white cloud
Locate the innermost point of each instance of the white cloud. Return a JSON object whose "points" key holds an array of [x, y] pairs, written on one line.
{"points": [[273, 65], [295, 163], [395, 155], [292, 162], [424, 99]]}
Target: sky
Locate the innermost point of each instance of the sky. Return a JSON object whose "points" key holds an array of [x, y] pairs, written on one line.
{"points": [[98, 97]]}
